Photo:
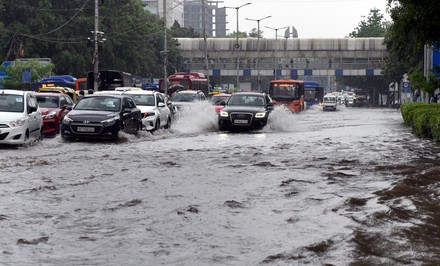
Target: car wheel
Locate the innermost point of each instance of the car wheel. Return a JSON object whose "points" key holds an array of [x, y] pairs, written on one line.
{"points": [[157, 125], [168, 125], [222, 127]]}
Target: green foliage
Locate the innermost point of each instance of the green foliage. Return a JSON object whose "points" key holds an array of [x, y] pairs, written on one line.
{"points": [[254, 33], [374, 26], [424, 118], [428, 84], [14, 80], [59, 29], [234, 35], [178, 32], [415, 23]]}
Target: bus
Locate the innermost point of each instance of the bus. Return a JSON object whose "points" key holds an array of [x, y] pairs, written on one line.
{"points": [[109, 80], [313, 93], [288, 92], [189, 81]]}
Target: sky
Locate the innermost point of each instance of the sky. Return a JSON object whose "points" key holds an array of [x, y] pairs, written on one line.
{"points": [[311, 18]]}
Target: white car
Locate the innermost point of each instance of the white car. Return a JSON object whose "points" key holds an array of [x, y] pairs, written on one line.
{"points": [[330, 102], [183, 100], [20, 117], [155, 112]]}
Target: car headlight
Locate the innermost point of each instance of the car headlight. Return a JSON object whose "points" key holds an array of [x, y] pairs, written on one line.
{"points": [[67, 120], [260, 115], [18, 123], [49, 115], [110, 121], [224, 114]]}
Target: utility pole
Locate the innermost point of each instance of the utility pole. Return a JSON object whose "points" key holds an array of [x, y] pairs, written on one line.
{"points": [[165, 49], [206, 67], [276, 48], [258, 53], [96, 47], [237, 45]]}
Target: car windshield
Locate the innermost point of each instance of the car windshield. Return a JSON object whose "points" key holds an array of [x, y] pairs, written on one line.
{"points": [[183, 97], [143, 99], [99, 103], [11, 103], [218, 99], [247, 100], [47, 101], [329, 99]]}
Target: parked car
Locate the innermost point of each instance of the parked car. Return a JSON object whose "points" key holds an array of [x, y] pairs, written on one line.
{"points": [[102, 116], [183, 100], [330, 102], [217, 99], [20, 117], [155, 112], [245, 110], [53, 107]]}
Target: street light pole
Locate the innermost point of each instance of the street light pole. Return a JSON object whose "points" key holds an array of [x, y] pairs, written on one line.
{"points": [[258, 53], [276, 49], [237, 46]]}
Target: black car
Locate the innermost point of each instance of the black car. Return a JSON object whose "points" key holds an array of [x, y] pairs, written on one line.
{"points": [[245, 110], [102, 116]]}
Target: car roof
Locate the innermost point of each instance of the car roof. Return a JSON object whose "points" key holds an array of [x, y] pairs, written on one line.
{"points": [[189, 91], [249, 93], [114, 95], [139, 92], [221, 95], [127, 89], [107, 93], [55, 94], [15, 92]]}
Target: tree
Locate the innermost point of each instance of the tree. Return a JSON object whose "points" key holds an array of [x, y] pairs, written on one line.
{"points": [[59, 29], [254, 33], [178, 32], [14, 79], [235, 35], [374, 25], [415, 24]]}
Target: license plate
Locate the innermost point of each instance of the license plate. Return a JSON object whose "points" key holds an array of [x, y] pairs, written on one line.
{"points": [[85, 129], [240, 121]]}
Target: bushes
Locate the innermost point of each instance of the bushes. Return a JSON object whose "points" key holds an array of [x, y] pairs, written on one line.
{"points": [[424, 118]]}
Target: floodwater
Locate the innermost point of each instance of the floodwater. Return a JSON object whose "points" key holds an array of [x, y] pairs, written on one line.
{"points": [[350, 187]]}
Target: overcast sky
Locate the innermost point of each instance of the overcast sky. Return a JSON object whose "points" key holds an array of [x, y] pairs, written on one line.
{"points": [[311, 18]]}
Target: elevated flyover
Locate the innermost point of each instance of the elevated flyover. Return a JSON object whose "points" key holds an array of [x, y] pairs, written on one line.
{"points": [[282, 58]]}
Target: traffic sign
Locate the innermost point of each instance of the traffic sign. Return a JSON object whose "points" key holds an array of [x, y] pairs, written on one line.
{"points": [[406, 87], [26, 75]]}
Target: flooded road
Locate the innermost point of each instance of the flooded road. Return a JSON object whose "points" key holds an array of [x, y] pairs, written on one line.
{"points": [[350, 187]]}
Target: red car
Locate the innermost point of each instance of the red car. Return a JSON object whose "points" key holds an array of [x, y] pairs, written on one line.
{"points": [[217, 98], [53, 106]]}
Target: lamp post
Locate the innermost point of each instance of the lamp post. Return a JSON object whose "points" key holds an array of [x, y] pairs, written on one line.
{"points": [[258, 44], [237, 46], [276, 48]]}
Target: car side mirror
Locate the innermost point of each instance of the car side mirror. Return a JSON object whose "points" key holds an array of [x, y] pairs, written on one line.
{"points": [[126, 110], [32, 109], [161, 104]]}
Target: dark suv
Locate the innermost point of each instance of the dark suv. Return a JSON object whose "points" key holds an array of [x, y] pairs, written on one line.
{"points": [[245, 110]]}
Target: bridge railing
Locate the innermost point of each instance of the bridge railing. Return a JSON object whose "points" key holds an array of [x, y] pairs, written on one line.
{"points": [[286, 65]]}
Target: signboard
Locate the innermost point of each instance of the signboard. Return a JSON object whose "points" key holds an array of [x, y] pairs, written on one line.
{"points": [[26, 75], [406, 87]]}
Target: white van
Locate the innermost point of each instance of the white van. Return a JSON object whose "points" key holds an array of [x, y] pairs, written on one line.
{"points": [[20, 117], [330, 102]]}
